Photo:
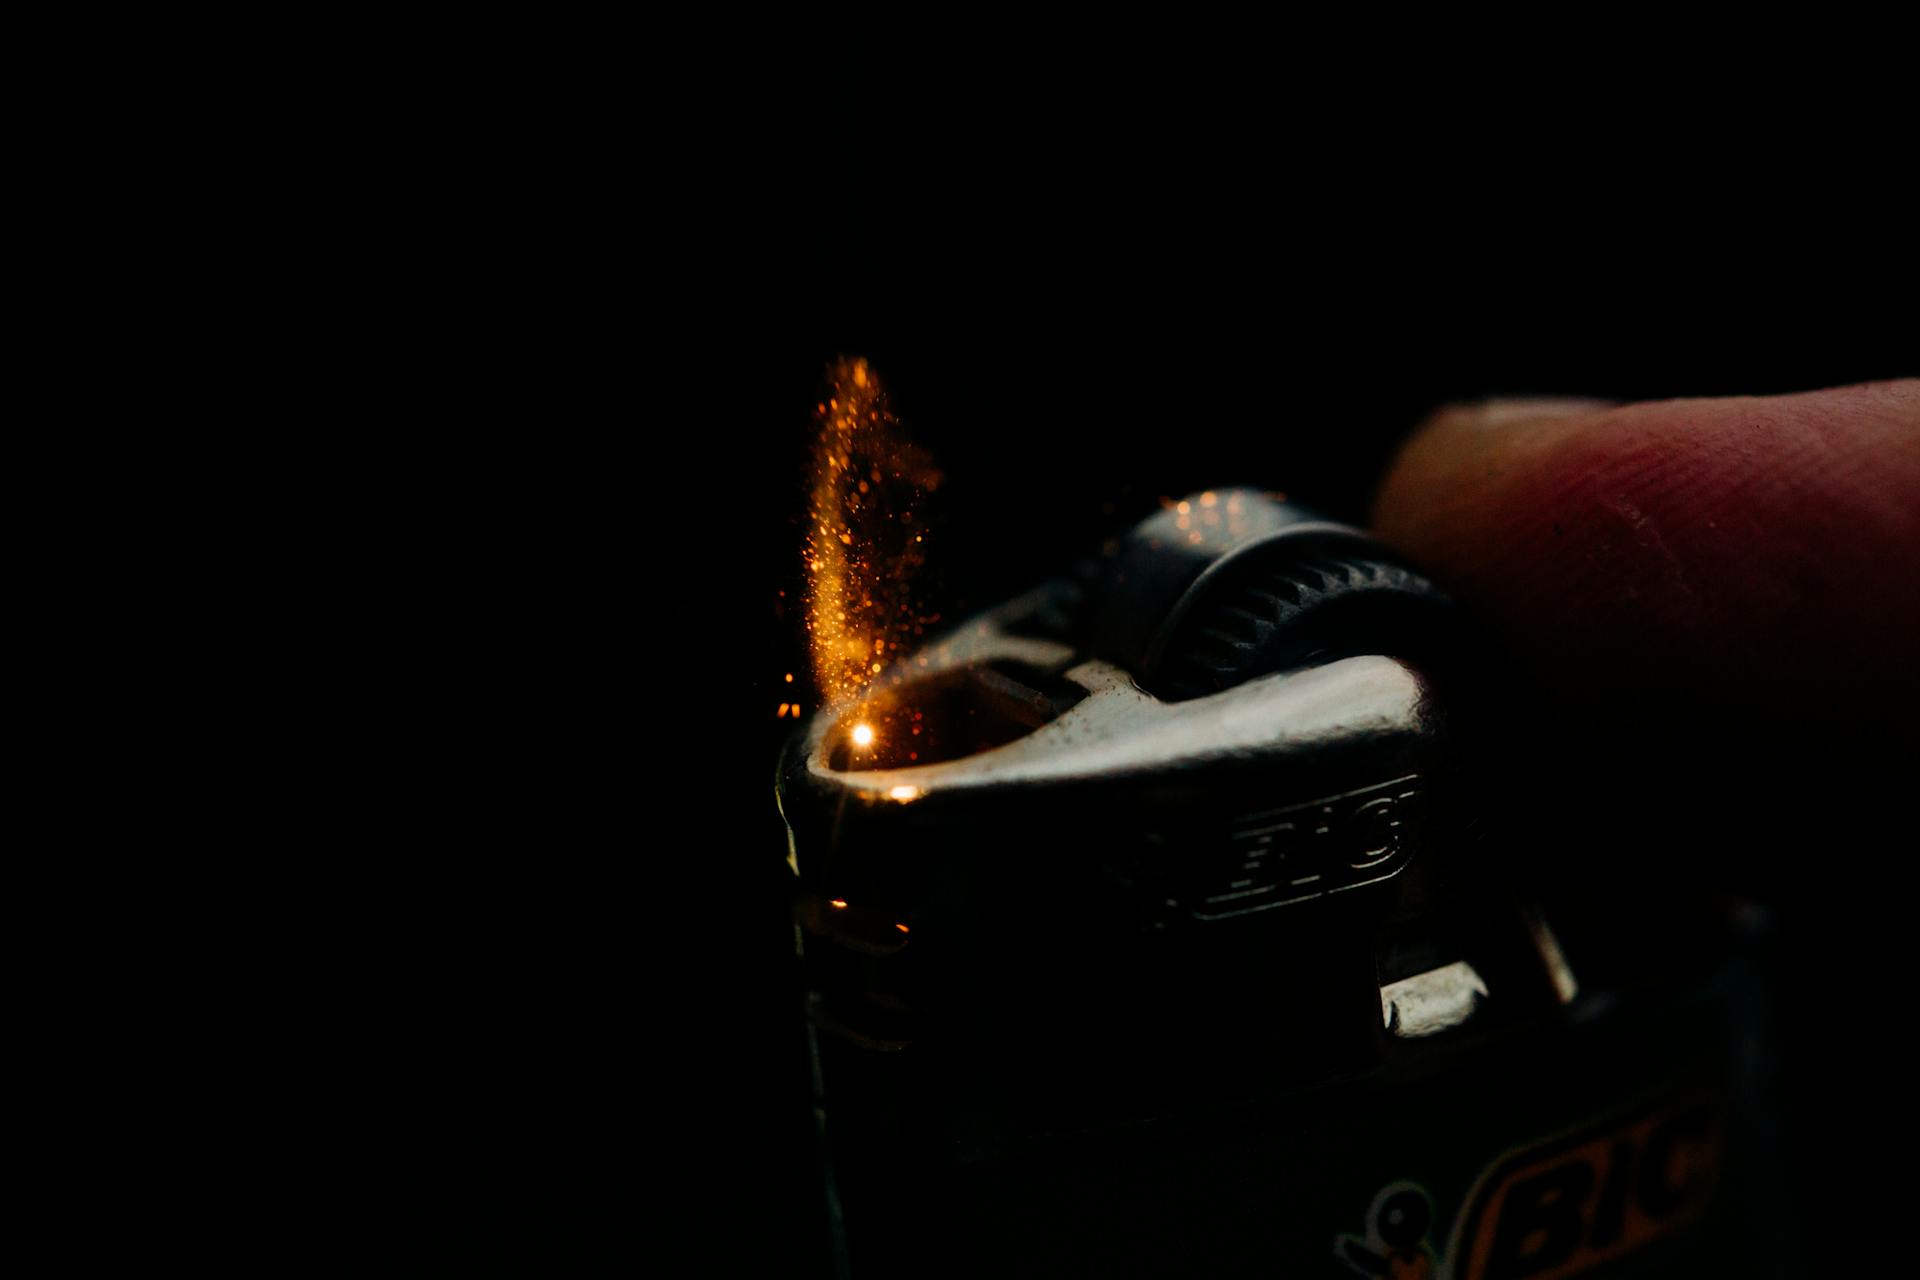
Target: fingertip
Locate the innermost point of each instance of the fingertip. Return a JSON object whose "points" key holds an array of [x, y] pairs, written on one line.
{"points": [[1508, 411], [1688, 545], [1447, 490]]}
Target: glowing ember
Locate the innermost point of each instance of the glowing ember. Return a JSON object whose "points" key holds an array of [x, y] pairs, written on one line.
{"points": [[863, 542], [863, 735]]}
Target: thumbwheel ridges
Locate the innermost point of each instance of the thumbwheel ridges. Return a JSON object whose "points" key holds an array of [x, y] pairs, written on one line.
{"points": [[1281, 616]]}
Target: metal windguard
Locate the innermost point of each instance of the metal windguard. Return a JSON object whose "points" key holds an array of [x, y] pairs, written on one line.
{"points": [[1014, 860]]}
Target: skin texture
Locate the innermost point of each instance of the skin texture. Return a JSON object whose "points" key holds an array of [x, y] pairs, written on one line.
{"points": [[1751, 563]]}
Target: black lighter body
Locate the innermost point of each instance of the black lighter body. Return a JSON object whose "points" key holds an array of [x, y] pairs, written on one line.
{"points": [[1170, 920]]}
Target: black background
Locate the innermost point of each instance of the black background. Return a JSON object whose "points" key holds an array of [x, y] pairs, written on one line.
{"points": [[538, 1020]]}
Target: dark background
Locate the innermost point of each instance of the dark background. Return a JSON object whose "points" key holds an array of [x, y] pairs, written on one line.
{"points": [[539, 1019]]}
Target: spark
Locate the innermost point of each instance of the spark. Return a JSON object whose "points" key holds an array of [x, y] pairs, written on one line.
{"points": [[862, 551], [863, 735]]}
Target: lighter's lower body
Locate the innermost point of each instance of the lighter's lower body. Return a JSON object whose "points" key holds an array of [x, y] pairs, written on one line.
{"points": [[1638, 1135]]}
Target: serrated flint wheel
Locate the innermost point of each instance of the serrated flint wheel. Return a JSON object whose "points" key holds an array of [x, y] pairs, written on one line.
{"points": [[1228, 585], [1269, 617]]}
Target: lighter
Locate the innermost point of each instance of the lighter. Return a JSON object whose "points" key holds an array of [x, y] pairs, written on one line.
{"points": [[1170, 920]]}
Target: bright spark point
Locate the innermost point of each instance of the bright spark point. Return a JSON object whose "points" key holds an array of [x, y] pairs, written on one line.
{"points": [[838, 902], [863, 735], [904, 794]]}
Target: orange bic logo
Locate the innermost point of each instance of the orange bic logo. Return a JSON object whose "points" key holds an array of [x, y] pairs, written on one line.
{"points": [[1561, 1209]]}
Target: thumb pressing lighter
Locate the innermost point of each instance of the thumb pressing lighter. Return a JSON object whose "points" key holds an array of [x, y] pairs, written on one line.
{"points": [[1166, 920]]}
